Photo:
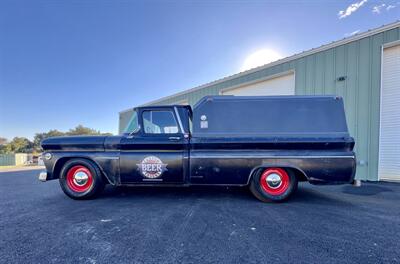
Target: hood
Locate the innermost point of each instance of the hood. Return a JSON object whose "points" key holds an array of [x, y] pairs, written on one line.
{"points": [[74, 143]]}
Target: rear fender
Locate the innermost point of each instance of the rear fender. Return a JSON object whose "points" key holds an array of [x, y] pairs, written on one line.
{"points": [[300, 174]]}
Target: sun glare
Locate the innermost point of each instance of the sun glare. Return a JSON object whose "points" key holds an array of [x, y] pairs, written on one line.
{"points": [[259, 58]]}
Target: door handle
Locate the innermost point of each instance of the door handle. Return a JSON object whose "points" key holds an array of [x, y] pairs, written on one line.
{"points": [[174, 138]]}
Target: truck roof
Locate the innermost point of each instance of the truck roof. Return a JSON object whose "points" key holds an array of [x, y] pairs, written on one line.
{"points": [[163, 106], [253, 98]]}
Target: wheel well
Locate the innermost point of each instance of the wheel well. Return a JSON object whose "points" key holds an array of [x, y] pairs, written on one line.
{"points": [[58, 166], [300, 175], [60, 163]]}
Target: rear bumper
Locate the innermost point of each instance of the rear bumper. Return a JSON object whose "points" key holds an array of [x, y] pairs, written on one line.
{"points": [[42, 176]]}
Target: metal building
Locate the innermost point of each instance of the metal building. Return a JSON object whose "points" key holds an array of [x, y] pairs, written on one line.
{"points": [[364, 69]]}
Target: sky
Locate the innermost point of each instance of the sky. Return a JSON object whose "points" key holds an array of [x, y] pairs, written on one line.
{"points": [[64, 63]]}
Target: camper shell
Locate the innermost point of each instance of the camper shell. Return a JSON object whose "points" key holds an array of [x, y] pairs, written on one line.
{"points": [[270, 116]]}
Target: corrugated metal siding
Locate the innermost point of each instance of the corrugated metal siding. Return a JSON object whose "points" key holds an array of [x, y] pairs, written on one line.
{"points": [[360, 62], [14, 159], [7, 159]]}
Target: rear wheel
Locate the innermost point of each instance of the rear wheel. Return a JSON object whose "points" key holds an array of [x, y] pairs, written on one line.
{"points": [[81, 179], [273, 184]]}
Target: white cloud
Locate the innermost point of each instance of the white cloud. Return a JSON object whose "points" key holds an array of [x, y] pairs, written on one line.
{"points": [[390, 7], [378, 9], [259, 58], [352, 33], [351, 9]]}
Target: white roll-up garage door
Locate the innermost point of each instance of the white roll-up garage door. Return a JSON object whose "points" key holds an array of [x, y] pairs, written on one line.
{"points": [[389, 140], [279, 85]]}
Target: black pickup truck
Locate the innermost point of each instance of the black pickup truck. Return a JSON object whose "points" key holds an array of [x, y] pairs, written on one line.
{"points": [[266, 143]]}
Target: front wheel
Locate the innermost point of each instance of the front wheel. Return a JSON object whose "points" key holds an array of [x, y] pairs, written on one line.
{"points": [[273, 184], [81, 179]]}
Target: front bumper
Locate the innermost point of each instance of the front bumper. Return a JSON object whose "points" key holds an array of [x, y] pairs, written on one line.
{"points": [[42, 176]]}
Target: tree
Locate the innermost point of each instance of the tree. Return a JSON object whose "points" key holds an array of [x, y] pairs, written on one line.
{"points": [[3, 141], [81, 130], [40, 136], [5, 149], [19, 145]]}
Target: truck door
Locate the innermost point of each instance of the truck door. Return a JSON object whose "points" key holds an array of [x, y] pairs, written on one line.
{"points": [[158, 152]]}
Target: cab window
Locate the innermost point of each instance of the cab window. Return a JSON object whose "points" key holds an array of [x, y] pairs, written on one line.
{"points": [[159, 122]]}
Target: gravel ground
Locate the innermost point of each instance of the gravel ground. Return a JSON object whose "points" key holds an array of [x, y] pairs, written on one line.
{"points": [[320, 224]]}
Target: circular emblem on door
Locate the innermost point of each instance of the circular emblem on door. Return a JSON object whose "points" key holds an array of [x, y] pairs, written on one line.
{"points": [[152, 167]]}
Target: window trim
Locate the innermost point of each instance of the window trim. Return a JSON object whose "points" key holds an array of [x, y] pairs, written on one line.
{"points": [[179, 120]]}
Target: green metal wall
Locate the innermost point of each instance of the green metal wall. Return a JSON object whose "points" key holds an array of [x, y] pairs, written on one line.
{"points": [[7, 159], [14, 159], [316, 74]]}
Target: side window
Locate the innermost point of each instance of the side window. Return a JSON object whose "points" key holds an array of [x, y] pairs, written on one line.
{"points": [[159, 122]]}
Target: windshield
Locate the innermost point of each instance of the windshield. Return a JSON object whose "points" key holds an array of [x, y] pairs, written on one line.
{"points": [[133, 124]]}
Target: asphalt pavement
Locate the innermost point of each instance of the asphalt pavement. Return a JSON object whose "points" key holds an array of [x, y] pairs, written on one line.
{"points": [[320, 224]]}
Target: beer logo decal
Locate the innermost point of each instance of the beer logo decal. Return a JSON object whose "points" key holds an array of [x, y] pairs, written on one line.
{"points": [[152, 167]]}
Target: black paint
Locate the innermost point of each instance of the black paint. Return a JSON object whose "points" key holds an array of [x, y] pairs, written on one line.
{"points": [[324, 158]]}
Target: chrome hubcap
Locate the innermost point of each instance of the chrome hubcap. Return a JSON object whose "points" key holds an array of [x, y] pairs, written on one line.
{"points": [[81, 178], [274, 180]]}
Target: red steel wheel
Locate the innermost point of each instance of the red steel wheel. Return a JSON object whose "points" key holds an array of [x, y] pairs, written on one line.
{"points": [[275, 181], [79, 178]]}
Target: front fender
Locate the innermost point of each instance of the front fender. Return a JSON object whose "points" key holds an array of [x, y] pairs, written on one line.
{"points": [[108, 163]]}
